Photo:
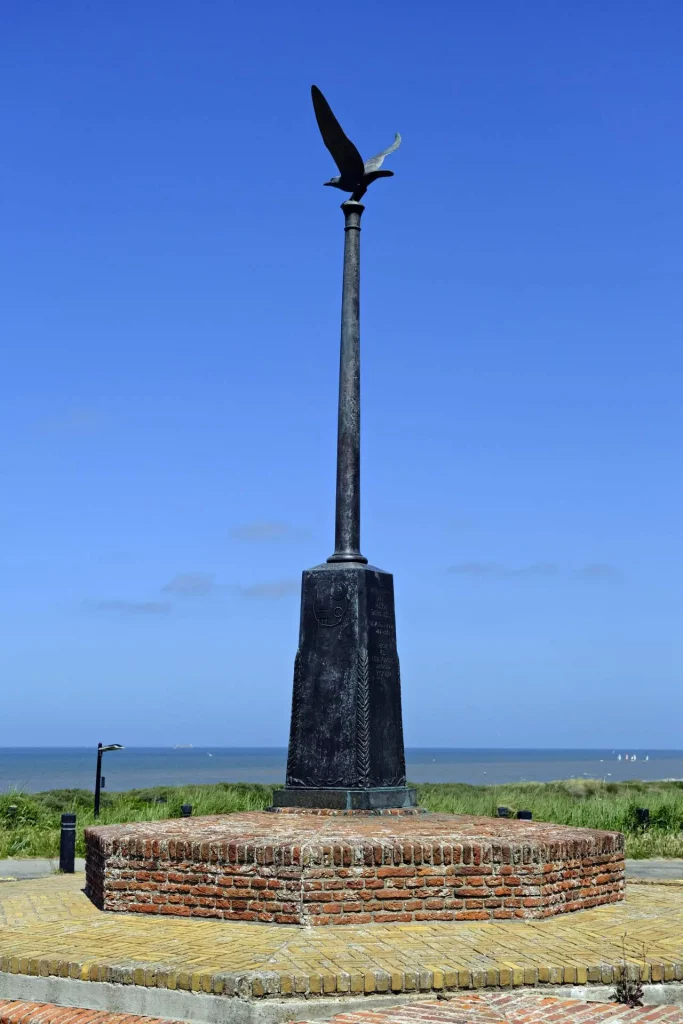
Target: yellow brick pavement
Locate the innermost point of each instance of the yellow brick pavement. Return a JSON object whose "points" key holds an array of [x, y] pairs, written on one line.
{"points": [[49, 927]]}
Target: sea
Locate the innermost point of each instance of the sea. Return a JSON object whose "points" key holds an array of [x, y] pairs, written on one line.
{"points": [[36, 769]]}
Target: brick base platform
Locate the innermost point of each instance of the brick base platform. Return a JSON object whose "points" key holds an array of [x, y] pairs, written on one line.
{"points": [[327, 869]]}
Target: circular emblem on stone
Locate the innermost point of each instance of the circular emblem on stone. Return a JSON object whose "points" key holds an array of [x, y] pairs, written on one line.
{"points": [[331, 602]]}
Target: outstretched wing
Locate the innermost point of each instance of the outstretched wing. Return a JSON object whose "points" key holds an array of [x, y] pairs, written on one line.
{"points": [[376, 161], [344, 153]]}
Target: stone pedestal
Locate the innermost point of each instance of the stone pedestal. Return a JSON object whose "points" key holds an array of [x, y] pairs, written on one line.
{"points": [[345, 799], [346, 735]]}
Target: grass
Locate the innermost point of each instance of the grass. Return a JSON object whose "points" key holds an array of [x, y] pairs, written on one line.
{"points": [[587, 803], [33, 829]]}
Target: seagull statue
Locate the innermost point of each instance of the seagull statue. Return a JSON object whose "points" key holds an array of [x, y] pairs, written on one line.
{"points": [[355, 176]]}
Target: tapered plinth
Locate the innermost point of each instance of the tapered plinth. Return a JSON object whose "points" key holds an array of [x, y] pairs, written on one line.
{"points": [[346, 736]]}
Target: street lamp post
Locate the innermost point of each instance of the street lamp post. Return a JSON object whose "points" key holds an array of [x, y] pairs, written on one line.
{"points": [[98, 780]]}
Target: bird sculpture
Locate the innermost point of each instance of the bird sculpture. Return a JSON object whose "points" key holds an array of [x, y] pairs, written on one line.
{"points": [[355, 176]]}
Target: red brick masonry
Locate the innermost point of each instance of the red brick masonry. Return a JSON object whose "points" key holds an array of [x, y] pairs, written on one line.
{"points": [[16, 1011], [488, 1008], [319, 870], [512, 1008]]}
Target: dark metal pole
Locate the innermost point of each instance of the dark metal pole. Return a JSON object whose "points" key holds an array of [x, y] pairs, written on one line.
{"points": [[98, 780], [347, 520], [67, 844]]}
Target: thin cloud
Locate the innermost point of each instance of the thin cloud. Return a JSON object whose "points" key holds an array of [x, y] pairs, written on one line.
{"points": [[600, 572], [271, 591], [141, 608], [495, 571], [191, 584], [266, 530]]}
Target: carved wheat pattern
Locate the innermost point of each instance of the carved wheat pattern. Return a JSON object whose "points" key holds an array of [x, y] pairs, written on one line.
{"points": [[401, 781], [297, 711], [363, 719]]}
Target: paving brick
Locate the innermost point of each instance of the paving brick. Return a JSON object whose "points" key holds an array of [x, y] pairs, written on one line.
{"points": [[48, 927], [13, 1011], [513, 1008]]}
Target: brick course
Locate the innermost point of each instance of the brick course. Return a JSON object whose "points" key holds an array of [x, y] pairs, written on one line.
{"points": [[320, 870]]}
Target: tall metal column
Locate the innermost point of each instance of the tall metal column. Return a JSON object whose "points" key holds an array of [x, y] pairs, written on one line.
{"points": [[347, 518]]}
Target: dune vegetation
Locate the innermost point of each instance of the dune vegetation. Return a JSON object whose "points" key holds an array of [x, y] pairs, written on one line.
{"points": [[30, 822]]}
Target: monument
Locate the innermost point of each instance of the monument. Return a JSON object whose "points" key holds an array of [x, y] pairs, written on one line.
{"points": [[345, 842], [346, 733]]}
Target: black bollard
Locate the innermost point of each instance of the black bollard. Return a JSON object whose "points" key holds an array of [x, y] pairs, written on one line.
{"points": [[503, 812], [525, 815], [186, 811], [67, 844], [643, 816]]}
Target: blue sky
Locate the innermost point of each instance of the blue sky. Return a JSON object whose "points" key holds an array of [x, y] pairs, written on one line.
{"points": [[170, 273]]}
